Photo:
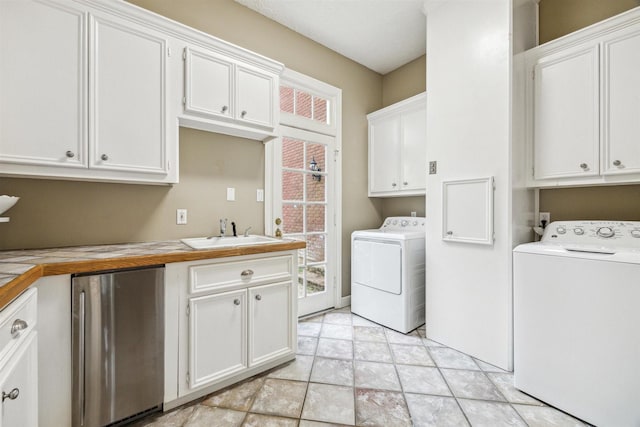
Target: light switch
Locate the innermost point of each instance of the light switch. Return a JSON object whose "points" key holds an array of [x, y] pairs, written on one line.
{"points": [[231, 194]]}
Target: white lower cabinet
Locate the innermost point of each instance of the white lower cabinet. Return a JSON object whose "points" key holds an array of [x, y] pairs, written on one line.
{"points": [[237, 317], [19, 362], [217, 336]]}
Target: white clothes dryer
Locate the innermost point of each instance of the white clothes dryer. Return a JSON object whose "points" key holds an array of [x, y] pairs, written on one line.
{"points": [[576, 317], [388, 273]]}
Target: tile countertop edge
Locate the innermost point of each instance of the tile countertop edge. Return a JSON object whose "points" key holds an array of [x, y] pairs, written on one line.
{"points": [[15, 287]]}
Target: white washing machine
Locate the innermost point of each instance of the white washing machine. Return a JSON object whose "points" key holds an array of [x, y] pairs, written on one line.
{"points": [[577, 320], [387, 273]]}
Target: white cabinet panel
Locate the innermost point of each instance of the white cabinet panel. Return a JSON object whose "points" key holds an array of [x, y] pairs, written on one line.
{"points": [[621, 103], [397, 149], [19, 379], [42, 84], [384, 154], [566, 114], [255, 97], [128, 90], [217, 336], [271, 322], [414, 150], [208, 90]]}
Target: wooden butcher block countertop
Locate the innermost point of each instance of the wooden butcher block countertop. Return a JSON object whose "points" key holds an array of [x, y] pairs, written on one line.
{"points": [[20, 268]]}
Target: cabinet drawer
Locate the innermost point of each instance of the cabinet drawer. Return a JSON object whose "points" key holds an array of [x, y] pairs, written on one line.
{"points": [[21, 315], [225, 275]]}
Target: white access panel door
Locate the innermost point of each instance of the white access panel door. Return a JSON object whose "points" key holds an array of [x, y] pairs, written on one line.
{"points": [[127, 97], [414, 149], [566, 114], [377, 264], [621, 103], [43, 84]]}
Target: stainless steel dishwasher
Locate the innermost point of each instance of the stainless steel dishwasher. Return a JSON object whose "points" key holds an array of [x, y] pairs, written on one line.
{"points": [[118, 345]]}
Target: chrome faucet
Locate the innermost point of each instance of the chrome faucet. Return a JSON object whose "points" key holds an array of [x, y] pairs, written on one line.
{"points": [[246, 232], [223, 227]]}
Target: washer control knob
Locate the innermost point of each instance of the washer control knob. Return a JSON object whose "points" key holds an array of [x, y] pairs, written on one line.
{"points": [[415, 224], [404, 223], [395, 221], [578, 231], [560, 229], [635, 233], [605, 232]]}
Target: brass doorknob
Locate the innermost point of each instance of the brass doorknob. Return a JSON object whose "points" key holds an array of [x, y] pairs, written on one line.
{"points": [[278, 221]]}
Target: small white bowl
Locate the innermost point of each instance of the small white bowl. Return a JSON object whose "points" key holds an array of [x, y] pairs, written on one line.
{"points": [[6, 202]]}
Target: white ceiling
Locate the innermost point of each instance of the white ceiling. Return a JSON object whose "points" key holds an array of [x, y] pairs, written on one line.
{"points": [[380, 34]]}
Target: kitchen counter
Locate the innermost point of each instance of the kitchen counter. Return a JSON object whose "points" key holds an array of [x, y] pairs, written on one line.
{"points": [[20, 268]]}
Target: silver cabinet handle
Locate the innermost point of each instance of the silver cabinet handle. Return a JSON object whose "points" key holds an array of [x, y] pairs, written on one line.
{"points": [[70, 154], [584, 166], [617, 163], [18, 326], [104, 157], [12, 395], [449, 233], [236, 301], [243, 113], [258, 297], [393, 184], [405, 183], [247, 273], [224, 108]]}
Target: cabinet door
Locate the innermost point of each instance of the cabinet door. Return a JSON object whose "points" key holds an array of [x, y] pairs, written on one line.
{"points": [[19, 378], [272, 322], [207, 84], [217, 336], [621, 103], [255, 96], [42, 84], [566, 114], [414, 150], [127, 97], [384, 154]]}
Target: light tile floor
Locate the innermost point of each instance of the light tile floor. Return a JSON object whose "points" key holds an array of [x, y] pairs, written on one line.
{"points": [[350, 371]]}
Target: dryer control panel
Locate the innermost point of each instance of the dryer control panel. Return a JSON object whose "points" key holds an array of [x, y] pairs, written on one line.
{"points": [[610, 234], [403, 223]]}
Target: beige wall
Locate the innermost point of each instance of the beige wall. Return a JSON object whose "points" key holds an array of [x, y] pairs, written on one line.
{"points": [[56, 213], [557, 18], [403, 83], [561, 17]]}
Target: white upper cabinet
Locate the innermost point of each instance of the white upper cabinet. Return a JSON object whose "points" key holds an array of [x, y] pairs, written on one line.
{"points": [[584, 104], [566, 109], [43, 78], [228, 95], [397, 149], [83, 94], [128, 85], [621, 103]]}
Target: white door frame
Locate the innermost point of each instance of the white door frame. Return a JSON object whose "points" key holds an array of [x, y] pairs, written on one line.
{"points": [[333, 128]]}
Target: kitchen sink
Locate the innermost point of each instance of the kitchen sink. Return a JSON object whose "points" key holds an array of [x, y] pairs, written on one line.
{"points": [[228, 241]]}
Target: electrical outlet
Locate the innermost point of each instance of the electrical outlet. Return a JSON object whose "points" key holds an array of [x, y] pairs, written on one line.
{"points": [[433, 168], [546, 217], [259, 195], [413, 214], [181, 216]]}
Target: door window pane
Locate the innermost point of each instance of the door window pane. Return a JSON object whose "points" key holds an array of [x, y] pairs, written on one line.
{"points": [[292, 153], [320, 109], [303, 104], [315, 218], [316, 153], [316, 188], [292, 185], [315, 279], [315, 248], [292, 218]]}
